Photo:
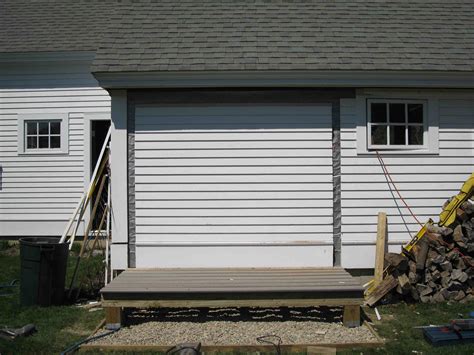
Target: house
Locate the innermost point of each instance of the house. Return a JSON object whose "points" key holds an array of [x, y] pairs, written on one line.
{"points": [[244, 133]]}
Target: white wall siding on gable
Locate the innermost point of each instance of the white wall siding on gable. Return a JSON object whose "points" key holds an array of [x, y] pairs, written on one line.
{"points": [[425, 181], [233, 186], [38, 193]]}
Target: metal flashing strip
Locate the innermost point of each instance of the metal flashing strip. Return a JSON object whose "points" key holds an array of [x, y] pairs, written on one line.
{"points": [[336, 179], [131, 182]]}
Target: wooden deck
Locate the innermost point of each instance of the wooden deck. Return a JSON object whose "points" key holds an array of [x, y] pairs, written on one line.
{"points": [[140, 288]]}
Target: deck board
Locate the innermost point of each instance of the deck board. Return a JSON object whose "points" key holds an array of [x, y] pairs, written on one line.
{"points": [[133, 283]]}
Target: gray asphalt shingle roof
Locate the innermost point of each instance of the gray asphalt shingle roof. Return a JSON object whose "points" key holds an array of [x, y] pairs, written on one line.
{"points": [[52, 25], [219, 35]]}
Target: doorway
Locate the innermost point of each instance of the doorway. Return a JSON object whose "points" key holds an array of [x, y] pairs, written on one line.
{"points": [[99, 129]]}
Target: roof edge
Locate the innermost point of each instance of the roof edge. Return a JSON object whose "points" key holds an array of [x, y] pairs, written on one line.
{"points": [[29, 57], [325, 78]]}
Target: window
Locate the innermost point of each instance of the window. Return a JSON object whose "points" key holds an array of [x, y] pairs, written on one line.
{"points": [[43, 133], [396, 124]]}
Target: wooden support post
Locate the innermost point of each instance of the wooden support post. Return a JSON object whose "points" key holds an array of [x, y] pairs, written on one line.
{"points": [[380, 247], [113, 317], [351, 317]]}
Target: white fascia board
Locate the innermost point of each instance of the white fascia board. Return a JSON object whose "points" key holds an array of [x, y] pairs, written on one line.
{"points": [[379, 79]]}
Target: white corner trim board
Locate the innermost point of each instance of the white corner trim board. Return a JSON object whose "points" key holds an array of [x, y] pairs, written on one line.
{"points": [[119, 163]]}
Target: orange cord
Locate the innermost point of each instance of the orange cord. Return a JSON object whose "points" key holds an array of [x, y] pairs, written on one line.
{"points": [[387, 174]]}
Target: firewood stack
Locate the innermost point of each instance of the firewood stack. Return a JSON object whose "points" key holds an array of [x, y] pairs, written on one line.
{"points": [[440, 267]]}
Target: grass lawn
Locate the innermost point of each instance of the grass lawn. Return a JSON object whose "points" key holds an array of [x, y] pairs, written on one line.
{"points": [[59, 327]]}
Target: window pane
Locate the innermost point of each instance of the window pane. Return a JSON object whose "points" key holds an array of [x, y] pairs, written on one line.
{"points": [[31, 143], [379, 112], [397, 113], [31, 128], [415, 135], [397, 135], [43, 142], [43, 127], [55, 127], [415, 113], [55, 142], [379, 135]]}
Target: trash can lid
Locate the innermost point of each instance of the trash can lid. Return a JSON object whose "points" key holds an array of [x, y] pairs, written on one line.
{"points": [[41, 241]]}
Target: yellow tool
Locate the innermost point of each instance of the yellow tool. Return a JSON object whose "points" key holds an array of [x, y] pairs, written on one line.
{"points": [[447, 217], [421, 233]]}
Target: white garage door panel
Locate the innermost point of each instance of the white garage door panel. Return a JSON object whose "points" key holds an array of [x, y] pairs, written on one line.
{"points": [[325, 205], [234, 153], [216, 177], [218, 135], [229, 212], [235, 170], [233, 187], [234, 256]]}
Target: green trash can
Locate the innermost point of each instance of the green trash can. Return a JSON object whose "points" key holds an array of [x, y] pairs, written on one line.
{"points": [[43, 271]]}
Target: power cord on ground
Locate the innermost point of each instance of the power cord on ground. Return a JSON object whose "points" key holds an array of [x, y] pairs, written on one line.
{"points": [[75, 346], [277, 345]]}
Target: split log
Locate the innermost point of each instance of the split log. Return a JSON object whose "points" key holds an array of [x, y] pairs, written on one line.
{"points": [[404, 285], [446, 266], [397, 261], [422, 254], [458, 235], [424, 290]]}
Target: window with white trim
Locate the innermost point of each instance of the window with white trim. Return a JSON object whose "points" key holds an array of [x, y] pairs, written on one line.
{"points": [[43, 133], [396, 124]]}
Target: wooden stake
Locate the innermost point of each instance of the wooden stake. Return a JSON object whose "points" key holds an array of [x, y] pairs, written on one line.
{"points": [[380, 247], [91, 190], [101, 224]]}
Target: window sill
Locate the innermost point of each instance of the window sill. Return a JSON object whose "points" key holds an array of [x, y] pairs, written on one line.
{"points": [[398, 152], [46, 152]]}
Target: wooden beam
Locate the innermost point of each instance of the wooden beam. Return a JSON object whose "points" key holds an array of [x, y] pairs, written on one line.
{"points": [[320, 350], [381, 290], [113, 317], [287, 348], [380, 247], [351, 317], [232, 303]]}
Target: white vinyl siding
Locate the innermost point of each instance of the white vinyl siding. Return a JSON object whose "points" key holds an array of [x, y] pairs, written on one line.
{"points": [[252, 183], [425, 181], [38, 192]]}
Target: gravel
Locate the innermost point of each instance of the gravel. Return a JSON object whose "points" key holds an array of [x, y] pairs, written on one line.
{"points": [[236, 327]]}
